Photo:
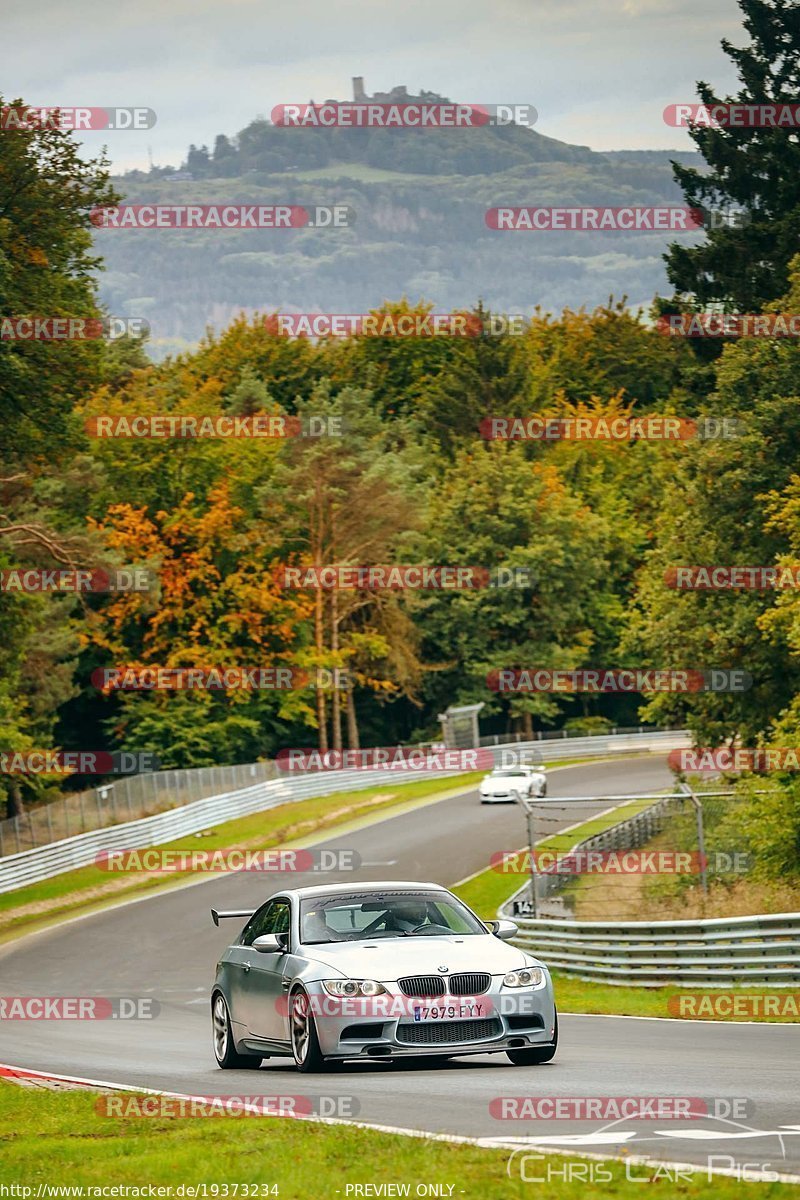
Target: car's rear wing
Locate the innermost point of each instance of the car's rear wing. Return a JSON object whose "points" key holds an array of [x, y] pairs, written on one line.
{"points": [[217, 916]]}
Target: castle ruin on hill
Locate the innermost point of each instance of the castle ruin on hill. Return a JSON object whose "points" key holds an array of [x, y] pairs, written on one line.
{"points": [[398, 95]]}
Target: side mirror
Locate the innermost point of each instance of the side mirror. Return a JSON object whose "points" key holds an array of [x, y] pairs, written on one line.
{"points": [[270, 943], [502, 929]]}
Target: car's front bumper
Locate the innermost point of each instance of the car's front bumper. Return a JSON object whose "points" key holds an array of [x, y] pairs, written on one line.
{"points": [[507, 1019], [536, 792]]}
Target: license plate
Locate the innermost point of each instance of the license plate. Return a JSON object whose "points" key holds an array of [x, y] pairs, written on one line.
{"points": [[446, 1012]]}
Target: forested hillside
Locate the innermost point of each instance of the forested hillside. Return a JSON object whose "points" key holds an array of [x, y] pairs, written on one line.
{"points": [[403, 472], [419, 198]]}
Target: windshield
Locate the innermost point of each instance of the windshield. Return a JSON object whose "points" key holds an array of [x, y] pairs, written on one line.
{"points": [[502, 772], [353, 917]]}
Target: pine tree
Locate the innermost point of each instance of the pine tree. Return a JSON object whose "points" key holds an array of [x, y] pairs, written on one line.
{"points": [[755, 171]]}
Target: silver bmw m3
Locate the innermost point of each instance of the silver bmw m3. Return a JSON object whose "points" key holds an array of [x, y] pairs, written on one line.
{"points": [[377, 970]]}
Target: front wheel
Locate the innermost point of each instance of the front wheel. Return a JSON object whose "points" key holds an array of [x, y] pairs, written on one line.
{"points": [[227, 1056], [303, 1033], [531, 1056]]}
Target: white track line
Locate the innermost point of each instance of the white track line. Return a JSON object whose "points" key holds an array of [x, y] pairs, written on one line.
{"points": [[398, 1130]]}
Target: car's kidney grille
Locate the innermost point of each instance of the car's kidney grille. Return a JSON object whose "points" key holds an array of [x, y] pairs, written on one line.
{"points": [[470, 983], [442, 1033], [422, 985]]}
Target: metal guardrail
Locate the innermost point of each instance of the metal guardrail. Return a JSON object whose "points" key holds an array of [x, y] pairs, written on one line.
{"points": [[711, 953], [629, 834], [553, 735], [125, 798], [720, 952], [132, 797], [42, 862]]}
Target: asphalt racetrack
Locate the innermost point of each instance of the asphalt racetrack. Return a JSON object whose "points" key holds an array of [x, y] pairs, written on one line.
{"points": [[165, 947]]}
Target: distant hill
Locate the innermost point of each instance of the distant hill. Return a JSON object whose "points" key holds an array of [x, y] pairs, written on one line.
{"points": [[419, 196]]}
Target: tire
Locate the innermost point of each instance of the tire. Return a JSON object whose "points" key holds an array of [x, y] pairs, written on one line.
{"points": [[225, 1052], [532, 1056], [303, 1034]]}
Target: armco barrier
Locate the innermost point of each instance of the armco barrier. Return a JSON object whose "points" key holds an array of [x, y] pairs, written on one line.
{"points": [[722, 952], [31, 866], [129, 798], [719, 952]]}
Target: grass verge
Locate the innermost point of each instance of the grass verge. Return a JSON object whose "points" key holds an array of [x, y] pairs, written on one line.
{"points": [[585, 996], [90, 888], [489, 889], [59, 1139], [93, 887]]}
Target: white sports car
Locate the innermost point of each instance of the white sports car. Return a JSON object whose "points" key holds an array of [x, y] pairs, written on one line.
{"points": [[377, 970], [513, 783]]}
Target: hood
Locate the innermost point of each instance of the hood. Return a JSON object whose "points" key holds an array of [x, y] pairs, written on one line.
{"points": [[387, 959], [507, 783]]}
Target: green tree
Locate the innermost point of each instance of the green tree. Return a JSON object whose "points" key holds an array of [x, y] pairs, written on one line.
{"points": [[755, 171], [495, 509], [47, 191], [46, 269], [729, 503], [347, 499], [486, 376]]}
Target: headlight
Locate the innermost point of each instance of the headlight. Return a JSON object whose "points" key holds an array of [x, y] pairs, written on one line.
{"points": [[353, 987], [527, 977]]}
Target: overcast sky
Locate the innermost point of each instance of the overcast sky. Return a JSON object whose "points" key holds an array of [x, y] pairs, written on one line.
{"points": [[599, 72]]}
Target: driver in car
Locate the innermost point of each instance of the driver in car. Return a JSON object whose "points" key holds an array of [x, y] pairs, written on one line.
{"points": [[316, 929], [407, 916]]}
